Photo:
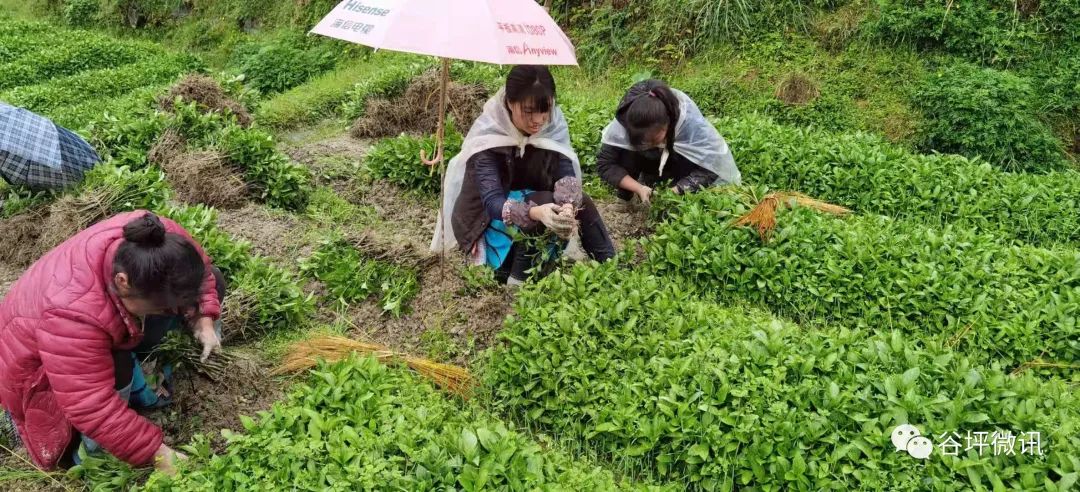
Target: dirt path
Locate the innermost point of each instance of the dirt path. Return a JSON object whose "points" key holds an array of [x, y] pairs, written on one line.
{"points": [[406, 219], [271, 233]]}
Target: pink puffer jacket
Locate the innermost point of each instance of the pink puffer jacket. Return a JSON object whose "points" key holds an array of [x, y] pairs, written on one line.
{"points": [[59, 324]]}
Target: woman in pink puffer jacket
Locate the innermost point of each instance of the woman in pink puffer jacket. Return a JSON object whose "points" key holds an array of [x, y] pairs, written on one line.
{"points": [[69, 325]]}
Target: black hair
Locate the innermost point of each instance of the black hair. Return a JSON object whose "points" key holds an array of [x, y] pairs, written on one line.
{"points": [[162, 267], [531, 85], [656, 107]]}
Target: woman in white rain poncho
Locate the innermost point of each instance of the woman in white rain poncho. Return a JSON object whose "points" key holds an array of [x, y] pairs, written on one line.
{"points": [[517, 173], [659, 135]]}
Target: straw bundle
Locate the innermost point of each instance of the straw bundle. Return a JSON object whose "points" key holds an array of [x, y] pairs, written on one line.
{"points": [[763, 216], [307, 354]]}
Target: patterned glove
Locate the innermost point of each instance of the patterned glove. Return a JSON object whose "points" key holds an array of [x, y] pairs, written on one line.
{"points": [[515, 212], [568, 190]]}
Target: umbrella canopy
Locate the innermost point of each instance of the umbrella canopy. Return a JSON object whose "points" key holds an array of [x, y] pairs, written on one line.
{"points": [[36, 153], [506, 32]]}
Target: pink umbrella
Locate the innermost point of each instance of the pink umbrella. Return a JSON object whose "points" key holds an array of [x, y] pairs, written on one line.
{"points": [[506, 32]]}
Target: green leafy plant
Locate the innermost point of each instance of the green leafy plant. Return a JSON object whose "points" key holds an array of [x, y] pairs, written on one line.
{"points": [[127, 139], [1001, 303], [989, 113], [109, 189], [991, 31], [283, 182], [643, 372], [865, 173], [350, 277], [361, 425], [102, 472], [477, 279], [397, 160], [284, 63], [586, 121], [17, 200], [80, 13]]}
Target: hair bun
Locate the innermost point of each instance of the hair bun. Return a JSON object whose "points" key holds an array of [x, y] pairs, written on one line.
{"points": [[145, 231]]}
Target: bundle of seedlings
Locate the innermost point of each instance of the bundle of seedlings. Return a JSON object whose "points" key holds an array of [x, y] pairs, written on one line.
{"points": [[20, 243], [416, 111], [208, 94], [199, 176], [106, 190], [397, 252], [181, 350], [237, 316]]}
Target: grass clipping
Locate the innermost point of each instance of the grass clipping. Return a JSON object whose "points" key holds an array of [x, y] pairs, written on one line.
{"points": [[416, 111], [797, 89], [307, 354], [763, 216]]}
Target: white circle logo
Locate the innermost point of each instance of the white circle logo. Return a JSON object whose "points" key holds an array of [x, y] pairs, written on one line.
{"points": [[902, 434], [920, 447]]}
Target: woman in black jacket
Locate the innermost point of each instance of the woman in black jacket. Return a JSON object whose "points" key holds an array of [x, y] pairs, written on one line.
{"points": [[660, 136], [517, 173]]}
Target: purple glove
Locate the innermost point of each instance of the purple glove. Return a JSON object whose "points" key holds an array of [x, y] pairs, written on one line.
{"points": [[517, 213], [568, 190]]}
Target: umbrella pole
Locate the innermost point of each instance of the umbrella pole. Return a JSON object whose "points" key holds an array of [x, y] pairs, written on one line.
{"points": [[444, 83]]}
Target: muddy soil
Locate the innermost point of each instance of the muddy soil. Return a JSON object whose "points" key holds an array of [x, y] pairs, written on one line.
{"points": [[204, 406]]}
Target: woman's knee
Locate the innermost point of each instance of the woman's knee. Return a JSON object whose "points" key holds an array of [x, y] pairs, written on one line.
{"points": [[541, 197], [588, 213]]}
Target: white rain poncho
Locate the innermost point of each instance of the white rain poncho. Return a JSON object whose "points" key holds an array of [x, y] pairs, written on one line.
{"points": [[695, 138], [494, 129]]}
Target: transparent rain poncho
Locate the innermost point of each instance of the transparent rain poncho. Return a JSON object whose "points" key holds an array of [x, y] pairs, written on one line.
{"points": [[494, 129], [695, 138]]}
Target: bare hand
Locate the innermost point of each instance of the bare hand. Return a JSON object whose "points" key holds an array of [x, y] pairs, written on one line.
{"points": [[645, 194], [205, 334], [165, 459]]}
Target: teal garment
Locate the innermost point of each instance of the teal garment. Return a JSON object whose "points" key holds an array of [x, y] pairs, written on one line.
{"points": [[138, 394], [498, 236]]}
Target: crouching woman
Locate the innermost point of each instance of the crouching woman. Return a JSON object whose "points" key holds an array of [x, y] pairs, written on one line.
{"points": [[516, 178], [74, 325]]}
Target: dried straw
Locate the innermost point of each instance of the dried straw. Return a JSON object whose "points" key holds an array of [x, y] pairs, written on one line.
{"points": [[763, 216], [1039, 363], [307, 354]]}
